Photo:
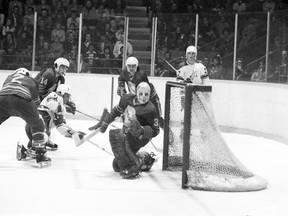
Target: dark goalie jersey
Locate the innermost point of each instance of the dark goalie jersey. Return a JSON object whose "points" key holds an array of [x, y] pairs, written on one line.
{"points": [[23, 86], [146, 114], [48, 81]]}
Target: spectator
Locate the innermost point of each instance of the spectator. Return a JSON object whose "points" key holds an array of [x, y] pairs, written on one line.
{"points": [[86, 43], [283, 66], [102, 43], [89, 15], [56, 48], [25, 58], [8, 28], [59, 9], [71, 40], [43, 5], [9, 42], [46, 18], [30, 15], [72, 55], [106, 61], [25, 27], [216, 70], [44, 56], [2, 19], [40, 42], [268, 6], [92, 58], [274, 76], [84, 66], [10, 58], [259, 73], [72, 29], [16, 17], [12, 4], [221, 24], [241, 73], [74, 6], [118, 50], [23, 41], [239, 7], [58, 32], [73, 18], [42, 29], [162, 67]]}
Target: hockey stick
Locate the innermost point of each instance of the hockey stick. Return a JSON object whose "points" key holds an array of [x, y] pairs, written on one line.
{"points": [[86, 115], [103, 149], [170, 65]]}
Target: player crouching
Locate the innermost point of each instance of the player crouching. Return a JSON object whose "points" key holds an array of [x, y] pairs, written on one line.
{"points": [[139, 127], [52, 110]]}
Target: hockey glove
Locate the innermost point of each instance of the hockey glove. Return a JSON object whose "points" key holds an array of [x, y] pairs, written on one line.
{"points": [[107, 120], [121, 91], [81, 134], [70, 107]]}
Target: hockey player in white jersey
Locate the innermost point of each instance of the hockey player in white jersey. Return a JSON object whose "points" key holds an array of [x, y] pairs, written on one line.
{"points": [[192, 71], [52, 110]]}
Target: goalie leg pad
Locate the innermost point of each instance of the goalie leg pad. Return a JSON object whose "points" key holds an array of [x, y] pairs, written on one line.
{"points": [[115, 166], [128, 162]]}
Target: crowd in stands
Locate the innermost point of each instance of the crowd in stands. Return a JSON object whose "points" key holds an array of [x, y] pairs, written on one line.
{"points": [[57, 32]]}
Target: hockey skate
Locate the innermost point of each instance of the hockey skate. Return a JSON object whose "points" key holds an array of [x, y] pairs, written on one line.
{"points": [[30, 153], [147, 160], [131, 173]]}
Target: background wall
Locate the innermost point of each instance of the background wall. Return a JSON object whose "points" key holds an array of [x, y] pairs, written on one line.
{"points": [[249, 107]]}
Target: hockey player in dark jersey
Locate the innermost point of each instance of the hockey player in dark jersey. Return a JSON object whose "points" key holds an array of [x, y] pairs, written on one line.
{"points": [[139, 127], [19, 97], [132, 76], [50, 78]]}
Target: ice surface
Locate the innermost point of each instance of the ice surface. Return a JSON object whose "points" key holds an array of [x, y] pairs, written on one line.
{"points": [[81, 181]]}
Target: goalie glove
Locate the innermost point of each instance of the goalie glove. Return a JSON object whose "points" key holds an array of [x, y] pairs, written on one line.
{"points": [[121, 88], [70, 107], [121, 91], [108, 118]]}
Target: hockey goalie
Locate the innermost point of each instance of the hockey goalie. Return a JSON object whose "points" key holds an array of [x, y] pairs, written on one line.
{"points": [[52, 110], [140, 125]]}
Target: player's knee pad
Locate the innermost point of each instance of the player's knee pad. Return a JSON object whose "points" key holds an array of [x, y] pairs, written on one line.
{"points": [[147, 160]]}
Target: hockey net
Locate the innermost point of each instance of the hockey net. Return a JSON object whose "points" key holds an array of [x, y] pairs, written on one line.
{"points": [[194, 145]]}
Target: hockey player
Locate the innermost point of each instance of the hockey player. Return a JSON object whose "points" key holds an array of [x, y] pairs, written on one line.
{"points": [[19, 97], [50, 78], [192, 71], [52, 110], [132, 76], [139, 127]]}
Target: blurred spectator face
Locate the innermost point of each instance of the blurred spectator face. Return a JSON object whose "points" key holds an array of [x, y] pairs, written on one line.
{"points": [[46, 45]]}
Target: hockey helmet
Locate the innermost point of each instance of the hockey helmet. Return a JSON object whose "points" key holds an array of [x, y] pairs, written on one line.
{"points": [[191, 49], [61, 61], [23, 71], [143, 92], [63, 89], [132, 61]]}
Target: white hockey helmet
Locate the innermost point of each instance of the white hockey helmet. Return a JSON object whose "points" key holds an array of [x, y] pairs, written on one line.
{"points": [[63, 89], [191, 49], [131, 61], [61, 61], [23, 71]]}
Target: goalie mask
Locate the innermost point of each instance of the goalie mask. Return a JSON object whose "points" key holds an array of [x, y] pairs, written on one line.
{"points": [[143, 92], [131, 64], [61, 65]]}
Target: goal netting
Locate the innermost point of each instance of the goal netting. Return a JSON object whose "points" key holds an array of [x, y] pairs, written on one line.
{"points": [[194, 144]]}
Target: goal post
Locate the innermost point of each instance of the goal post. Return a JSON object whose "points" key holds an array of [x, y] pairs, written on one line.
{"points": [[193, 143]]}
